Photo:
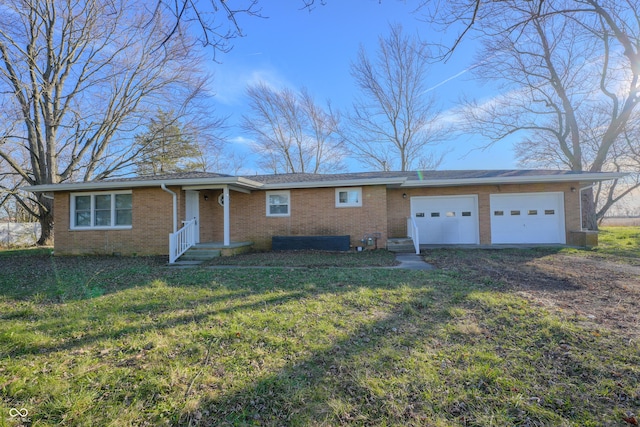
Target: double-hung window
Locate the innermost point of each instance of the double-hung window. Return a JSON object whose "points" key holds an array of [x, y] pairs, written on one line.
{"points": [[278, 203], [101, 210]]}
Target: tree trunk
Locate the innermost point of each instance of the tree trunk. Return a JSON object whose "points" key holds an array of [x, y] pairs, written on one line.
{"points": [[589, 220], [46, 221]]}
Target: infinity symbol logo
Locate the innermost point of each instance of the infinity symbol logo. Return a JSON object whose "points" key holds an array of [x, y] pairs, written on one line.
{"points": [[22, 413]]}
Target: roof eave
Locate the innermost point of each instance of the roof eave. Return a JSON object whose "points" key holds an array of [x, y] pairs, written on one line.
{"points": [[112, 185], [246, 183], [497, 180]]}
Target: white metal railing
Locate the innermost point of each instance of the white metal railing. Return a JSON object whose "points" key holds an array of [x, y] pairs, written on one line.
{"points": [[182, 240], [412, 230]]}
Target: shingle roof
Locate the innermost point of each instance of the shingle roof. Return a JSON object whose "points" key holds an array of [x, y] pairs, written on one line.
{"points": [[291, 178], [310, 180], [171, 176]]}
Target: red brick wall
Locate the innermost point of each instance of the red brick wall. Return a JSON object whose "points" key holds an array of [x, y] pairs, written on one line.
{"points": [[152, 219], [313, 212]]}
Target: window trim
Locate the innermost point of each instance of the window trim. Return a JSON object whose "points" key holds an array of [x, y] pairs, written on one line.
{"points": [[280, 193], [92, 195], [357, 204]]}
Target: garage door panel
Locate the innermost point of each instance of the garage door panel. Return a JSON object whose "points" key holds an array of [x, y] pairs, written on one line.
{"points": [[446, 219], [527, 218]]}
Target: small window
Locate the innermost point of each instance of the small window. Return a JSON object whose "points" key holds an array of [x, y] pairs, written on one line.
{"points": [[101, 210], [515, 213], [498, 213], [435, 214], [451, 214], [549, 212], [348, 197], [420, 215], [278, 203], [532, 212], [466, 213]]}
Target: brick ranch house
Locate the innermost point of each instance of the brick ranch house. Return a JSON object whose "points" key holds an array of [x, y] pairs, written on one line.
{"points": [[164, 215]]}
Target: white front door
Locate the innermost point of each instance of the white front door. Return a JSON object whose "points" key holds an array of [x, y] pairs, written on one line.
{"points": [[446, 219], [192, 210], [527, 218]]}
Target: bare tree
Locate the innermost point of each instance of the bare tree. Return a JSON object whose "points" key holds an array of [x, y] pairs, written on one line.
{"points": [[77, 79], [292, 132], [395, 119], [570, 73], [217, 20]]}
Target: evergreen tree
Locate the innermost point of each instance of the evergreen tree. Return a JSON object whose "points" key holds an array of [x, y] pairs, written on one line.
{"points": [[167, 147]]}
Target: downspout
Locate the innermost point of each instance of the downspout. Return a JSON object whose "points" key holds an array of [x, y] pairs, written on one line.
{"points": [[580, 196], [175, 206]]}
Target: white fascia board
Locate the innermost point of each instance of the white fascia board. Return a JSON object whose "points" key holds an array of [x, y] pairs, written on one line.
{"points": [[239, 182], [337, 183], [217, 187], [586, 177]]}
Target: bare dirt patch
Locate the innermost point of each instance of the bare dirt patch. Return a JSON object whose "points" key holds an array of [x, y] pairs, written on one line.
{"points": [[599, 291]]}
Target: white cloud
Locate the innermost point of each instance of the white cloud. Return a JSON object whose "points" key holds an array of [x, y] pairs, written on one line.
{"points": [[241, 140], [230, 81]]}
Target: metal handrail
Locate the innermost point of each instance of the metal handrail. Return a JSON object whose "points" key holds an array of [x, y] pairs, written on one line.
{"points": [[412, 230], [182, 240]]}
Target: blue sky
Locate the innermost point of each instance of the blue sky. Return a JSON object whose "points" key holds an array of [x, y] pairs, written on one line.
{"points": [[298, 48]]}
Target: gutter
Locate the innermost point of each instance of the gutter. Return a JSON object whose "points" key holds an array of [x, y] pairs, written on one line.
{"points": [[133, 183], [175, 206], [530, 179], [247, 184]]}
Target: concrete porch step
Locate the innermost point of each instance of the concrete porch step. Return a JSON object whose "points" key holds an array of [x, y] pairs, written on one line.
{"points": [[196, 253], [400, 244]]}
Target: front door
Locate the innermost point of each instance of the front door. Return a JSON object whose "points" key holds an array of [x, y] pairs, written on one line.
{"points": [[192, 210]]}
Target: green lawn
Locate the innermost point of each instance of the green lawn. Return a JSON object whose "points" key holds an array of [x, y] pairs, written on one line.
{"points": [[127, 341], [619, 241]]}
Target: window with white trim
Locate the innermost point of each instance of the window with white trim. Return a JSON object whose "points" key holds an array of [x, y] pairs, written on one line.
{"points": [[278, 203], [101, 210], [348, 197]]}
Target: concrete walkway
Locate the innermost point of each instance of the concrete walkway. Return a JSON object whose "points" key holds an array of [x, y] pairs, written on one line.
{"points": [[410, 261], [407, 261]]}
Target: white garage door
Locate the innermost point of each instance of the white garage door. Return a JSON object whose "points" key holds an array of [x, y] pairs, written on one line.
{"points": [[527, 218], [446, 219]]}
